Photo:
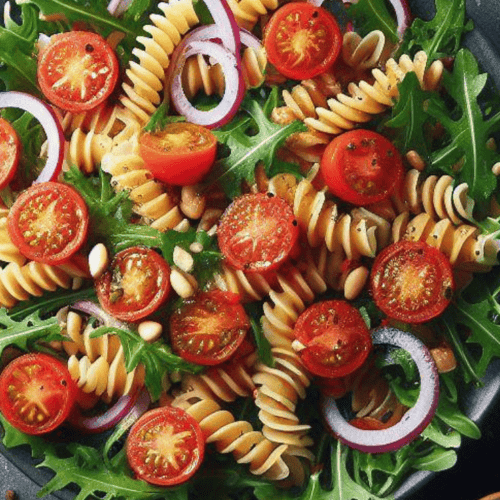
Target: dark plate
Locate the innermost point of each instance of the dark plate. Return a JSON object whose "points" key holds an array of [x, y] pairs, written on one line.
{"points": [[476, 473]]}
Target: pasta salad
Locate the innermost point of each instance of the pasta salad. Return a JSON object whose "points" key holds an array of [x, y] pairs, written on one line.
{"points": [[248, 248]]}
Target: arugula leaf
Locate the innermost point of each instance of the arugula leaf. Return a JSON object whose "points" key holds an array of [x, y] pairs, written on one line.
{"points": [[409, 116], [441, 36], [255, 313], [12, 437], [249, 147], [17, 45], [437, 460], [26, 332], [157, 358], [469, 133], [369, 15]]}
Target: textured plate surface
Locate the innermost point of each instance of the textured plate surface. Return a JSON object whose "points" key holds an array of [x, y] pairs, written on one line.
{"points": [[476, 473]]}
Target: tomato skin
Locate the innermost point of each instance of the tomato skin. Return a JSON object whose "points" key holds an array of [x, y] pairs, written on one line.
{"points": [[412, 281], [44, 385], [77, 70], [302, 40], [176, 433], [257, 232], [334, 338], [181, 154], [10, 152], [48, 222], [362, 167], [209, 328], [135, 285]]}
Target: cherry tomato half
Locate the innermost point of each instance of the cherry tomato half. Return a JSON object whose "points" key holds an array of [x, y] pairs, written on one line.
{"points": [[180, 154], [302, 40], [332, 338], [412, 281], [36, 393], [361, 167], [136, 284], [48, 222], [77, 70], [209, 327], [257, 232], [165, 446], [10, 152]]}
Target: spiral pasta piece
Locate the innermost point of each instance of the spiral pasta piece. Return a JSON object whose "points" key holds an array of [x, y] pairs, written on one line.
{"points": [[152, 201], [279, 389], [248, 12], [437, 196], [237, 437], [363, 100], [8, 251], [21, 282], [97, 365], [363, 53], [462, 244], [146, 75]]}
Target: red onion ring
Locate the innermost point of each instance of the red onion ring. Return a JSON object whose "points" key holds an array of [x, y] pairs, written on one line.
{"points": [[93, 309], [233, 92], [118, 7], [53, 130], [129, 407], [414, 421], [227, 27]]}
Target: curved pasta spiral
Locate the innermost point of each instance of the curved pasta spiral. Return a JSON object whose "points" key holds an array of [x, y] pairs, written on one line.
{"points": [[239, 438], [97, 364], [152, 201], [21, 282], [437, 196], [363, 53], [462, 244], [363, 100], [8, 251], [147, 75], [248, 12]]}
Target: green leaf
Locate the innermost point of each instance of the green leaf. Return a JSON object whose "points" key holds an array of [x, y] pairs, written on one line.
{"points": [[157, 358], [441, 36], [437, 460], [13, 437], [434, 433], [249, 145], [24, 333], [409, 116], [254, 311], [369, 15]]}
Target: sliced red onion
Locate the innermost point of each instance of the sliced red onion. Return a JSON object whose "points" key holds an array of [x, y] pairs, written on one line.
{"points": [[234, 88], [227, 27], [129, 407], [53, 130], [118, 7], [403, 14], [414, 421], [95, 310]]}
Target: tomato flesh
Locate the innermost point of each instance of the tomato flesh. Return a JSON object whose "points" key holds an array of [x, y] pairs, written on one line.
{"points": [[36, 393], [208, 328], [136, 284], [10, 152], [332, 338], [180, 154], [165, 446], [302, 40], [77, 71], [48, 222], [412, 281], [257, 232], [362, 167]]}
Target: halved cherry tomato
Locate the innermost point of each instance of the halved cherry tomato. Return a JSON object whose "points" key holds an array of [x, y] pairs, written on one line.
{"points": [[332, 338], [368, 423], [412, 281], [361, 167], [180, 154], [10, 152], [48, 222], [36, 393], [209, 327], [77, 70], [257, 232], [136, 284], [165, 446], [302, 40]]}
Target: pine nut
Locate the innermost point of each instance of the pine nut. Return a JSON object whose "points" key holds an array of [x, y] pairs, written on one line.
{"points": [[150, 331], [355, 282], [183, 283], [192, 202], [98, 260], [183, 259]]}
